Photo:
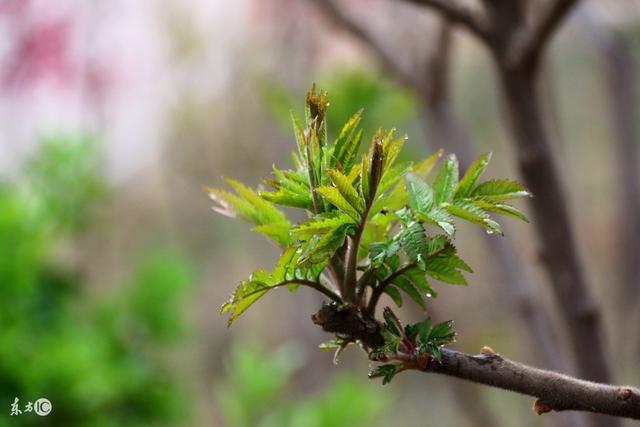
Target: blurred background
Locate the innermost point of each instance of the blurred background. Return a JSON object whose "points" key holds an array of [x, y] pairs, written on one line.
{"points": [[114, 114]]}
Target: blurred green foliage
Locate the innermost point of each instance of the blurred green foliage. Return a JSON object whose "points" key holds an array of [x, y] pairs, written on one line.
{"points": [[101, 362], [257, 393], [386, 105]]}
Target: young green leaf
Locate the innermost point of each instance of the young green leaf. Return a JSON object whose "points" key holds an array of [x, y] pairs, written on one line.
{"points": [[333, 196], [470, 178], [322, 224], [447, 180], [500, 189], [442, 270], [348, 192], [440, 218], [387, 372], [472, 213], [277, 231], [394, 294], [414, 243], [421, 195], [248, 292], [346, 146], [501, 208], [408, 287]]}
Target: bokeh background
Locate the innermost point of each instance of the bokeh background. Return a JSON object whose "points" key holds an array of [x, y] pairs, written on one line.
{"points": [[114, 114]]}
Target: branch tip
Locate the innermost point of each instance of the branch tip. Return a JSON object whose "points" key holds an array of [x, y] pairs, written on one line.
{"points": [[539, 407], [487, 351]]}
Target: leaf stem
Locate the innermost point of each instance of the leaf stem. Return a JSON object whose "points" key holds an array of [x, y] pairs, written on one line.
{"points": [[350, 279], [309, 283], [378, 290]]}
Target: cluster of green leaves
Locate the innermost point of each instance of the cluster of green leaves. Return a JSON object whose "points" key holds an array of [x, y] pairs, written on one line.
{"points": [[412, 345], [374, 224], [101, 361], [256, 391]]}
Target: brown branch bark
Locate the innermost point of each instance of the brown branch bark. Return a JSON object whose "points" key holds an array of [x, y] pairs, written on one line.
{"points": [[554, 391], [331, 10], [458, 14], [529, 45]]}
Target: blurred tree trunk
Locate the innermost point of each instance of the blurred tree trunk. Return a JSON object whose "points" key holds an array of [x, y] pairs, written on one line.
{"points": [[517, 43], [619, 68], [447, 130]]}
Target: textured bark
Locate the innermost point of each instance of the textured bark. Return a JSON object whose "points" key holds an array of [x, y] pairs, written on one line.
{"points": [[554, 391], [551, 218]]}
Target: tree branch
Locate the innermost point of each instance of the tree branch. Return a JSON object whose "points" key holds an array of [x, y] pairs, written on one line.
{"points": [[458, 14], [390, 65], [311, 284], [528, 49], [554, 391]]}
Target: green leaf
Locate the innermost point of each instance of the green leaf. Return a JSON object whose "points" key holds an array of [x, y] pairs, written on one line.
{"points": [[392, 147], [278, 231], [472, 213], [292, 189], [414, 242], [421, 196], [500, 189], [265, 212], [440, 269], [333, 196], [394, 293], [437, 243], [379, 252], [347, 190], [470, 178], [321, 224], [231, 205], [392, 323], [285, 268], [251, 207], [321, 248], [246, 293], [442, 333], [347, 144], [501, 208], [417, 277], [298, 131], [447, 180], [408, 287], [440, 218], [423, 328], [284, 197], [387, 372]]}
